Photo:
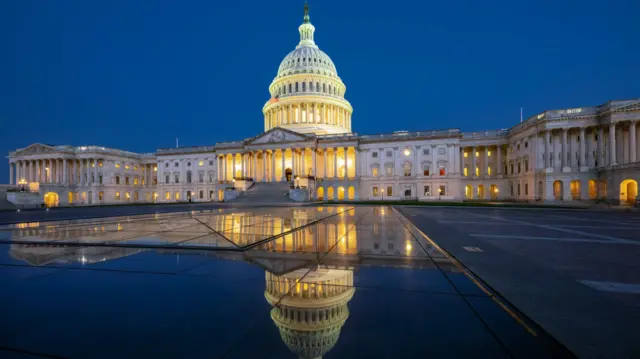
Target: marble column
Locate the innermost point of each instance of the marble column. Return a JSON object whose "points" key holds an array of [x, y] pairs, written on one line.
{"points": [[273, 166], [325, 156], [632, 142], [473, 161], [548, 162], [335, 163], [283, 178], [11, 175], [313, 160], [583, 150], [612, 144], [346, 162], [499, 159], [564, 148], [264, 166]]}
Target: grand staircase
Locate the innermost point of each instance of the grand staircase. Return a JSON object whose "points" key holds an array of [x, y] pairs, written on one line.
{"points": [[261, 193]]}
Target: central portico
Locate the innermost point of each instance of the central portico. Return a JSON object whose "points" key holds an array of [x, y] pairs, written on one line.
{"points": [[281, 155]]}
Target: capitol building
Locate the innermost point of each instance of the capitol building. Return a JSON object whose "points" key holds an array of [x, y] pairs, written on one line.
{"points": [[309, 150]]}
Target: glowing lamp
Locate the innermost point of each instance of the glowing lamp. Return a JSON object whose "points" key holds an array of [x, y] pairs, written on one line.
{"points": [[407, 152]]}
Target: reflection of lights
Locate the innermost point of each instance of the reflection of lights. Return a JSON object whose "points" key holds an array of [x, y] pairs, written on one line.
{"points": [[407, 152]]}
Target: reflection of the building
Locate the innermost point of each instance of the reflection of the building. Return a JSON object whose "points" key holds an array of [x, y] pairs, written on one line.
{"points": [[309, 310], [39, 254]]}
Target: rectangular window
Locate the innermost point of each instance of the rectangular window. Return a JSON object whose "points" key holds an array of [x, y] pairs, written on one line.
{"points": [[407, 191], [126, 167], [210, 163], [477, 153], [375, 191], [201, 177], [526, 165], [389, 171], [466, 154], [166, 180], [177, 196], [374, 171], [389, 154], [126, 180], [117, 195], [100, 179], [489, 170], [135, 180], [427, 191], [518, 189], [425, 151], [526, 189], [201, 194], [441, 191], [117, 179], [488, 153], [167, 195], [442, 171], [425, 170], [374, 154], [389, 191], [466, 171], [177, 178], [477, 171]]}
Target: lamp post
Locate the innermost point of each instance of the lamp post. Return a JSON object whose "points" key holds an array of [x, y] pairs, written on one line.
{"points": [[297, 180], [439, 193], [233, 183]]}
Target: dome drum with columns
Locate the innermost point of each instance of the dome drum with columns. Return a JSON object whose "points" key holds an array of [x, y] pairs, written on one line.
{"points": [[307, 95]]}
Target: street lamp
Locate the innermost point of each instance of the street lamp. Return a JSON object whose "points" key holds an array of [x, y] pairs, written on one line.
{"points": [[233, 183], [439, 193], [298, 182]]}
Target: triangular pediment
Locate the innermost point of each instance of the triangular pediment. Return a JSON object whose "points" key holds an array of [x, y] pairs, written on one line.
{"points": [[278, 135], [36, 148]]}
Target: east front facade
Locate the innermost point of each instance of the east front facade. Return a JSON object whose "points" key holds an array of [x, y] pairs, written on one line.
{"points": [[584, 154]]}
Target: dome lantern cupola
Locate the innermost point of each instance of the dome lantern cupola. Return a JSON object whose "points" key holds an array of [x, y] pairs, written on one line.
{"points": [[306, 30]]}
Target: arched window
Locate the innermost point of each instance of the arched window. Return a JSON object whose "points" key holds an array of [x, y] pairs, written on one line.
{"points": [[407, 169], [289, 88], [311, 86], [324, 88], [317, 87], [351, 193], [297, 85], [188, 176], [304, 87]]}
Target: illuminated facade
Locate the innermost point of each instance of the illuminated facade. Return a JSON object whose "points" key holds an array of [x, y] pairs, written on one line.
{"points": [[581, 154]]}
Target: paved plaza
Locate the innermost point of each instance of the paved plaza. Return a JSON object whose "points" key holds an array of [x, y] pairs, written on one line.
{"points": [[330, 281]]}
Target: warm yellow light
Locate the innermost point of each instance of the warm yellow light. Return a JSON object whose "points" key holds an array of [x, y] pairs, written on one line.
{"points": [[201, 163], [409, 247], [439, 190], [126, 167], [238, 166], [407, 152], [117, 165], [489, 153], [466, 154], [496, 190], [477, 154], [46, 168], [340, 161], [155, 169]]}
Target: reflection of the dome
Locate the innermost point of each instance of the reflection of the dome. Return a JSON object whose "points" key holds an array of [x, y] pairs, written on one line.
{"points": [[309, 310]]}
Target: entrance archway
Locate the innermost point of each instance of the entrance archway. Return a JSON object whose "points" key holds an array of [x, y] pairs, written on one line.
{"points": [[351, 193], [481, 191], [557, 190], [288, 172], [593, 189], [468, 191], [320, 195], [493, 191], [628, 191], [51, 199], [575, 190], [330, 193]]}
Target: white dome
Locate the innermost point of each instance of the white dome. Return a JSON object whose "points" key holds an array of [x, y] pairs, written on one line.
{"points": [[307, 59]]}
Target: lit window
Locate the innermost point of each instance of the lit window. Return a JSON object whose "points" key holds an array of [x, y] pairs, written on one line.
{"points": [[489, 170], [466, 171], [427, 191], [126, 167], [155, 169], [135, 180], [177, 196], [100, 163], [127, 195], [477, 171], [374, 171], [488, 153], [135, 167], [425, 170], [407, 169], [389, 191], [375, 191], [442, 171], [466, 154], [477, 154], [117, 165], [117, 195], [441, 191], [167, 195]]}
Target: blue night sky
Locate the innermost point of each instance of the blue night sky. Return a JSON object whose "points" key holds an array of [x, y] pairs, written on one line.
{"points": [[135, 75]]}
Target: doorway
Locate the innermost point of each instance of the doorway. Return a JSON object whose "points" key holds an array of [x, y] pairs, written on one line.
{"points": [[51, 199], [288, 173]]}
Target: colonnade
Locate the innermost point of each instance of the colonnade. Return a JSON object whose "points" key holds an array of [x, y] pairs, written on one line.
{"points": [[284, 165], [318, 113], [489, 167], [55, 171]]}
